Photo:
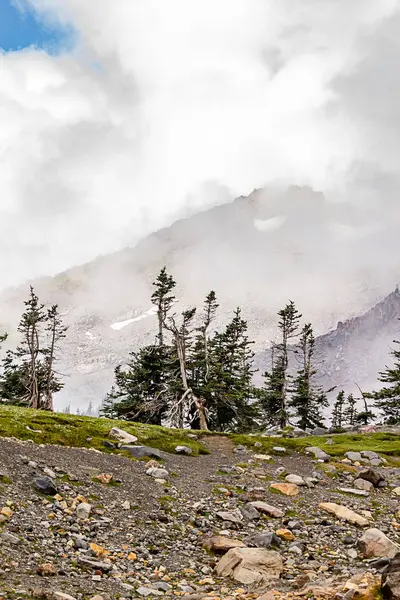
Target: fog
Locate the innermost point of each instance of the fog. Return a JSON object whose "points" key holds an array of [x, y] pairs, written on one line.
{"points": [[164, 108]]}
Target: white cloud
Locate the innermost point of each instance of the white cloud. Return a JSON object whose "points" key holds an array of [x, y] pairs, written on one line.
{"points": [[105, 144]]}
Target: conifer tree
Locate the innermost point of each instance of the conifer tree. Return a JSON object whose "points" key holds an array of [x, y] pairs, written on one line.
{"points": [[232, 403], [337, 412], [307, 399], [274, 397], [350, 413], [28, 376], [56, 331], [163, 299], [387, 400]]}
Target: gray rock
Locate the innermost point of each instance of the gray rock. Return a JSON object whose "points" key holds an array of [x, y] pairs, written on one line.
{"points": [[296, 479], [240, 449], [319, 431], [355, 492], [318, 453], [143, 591], [122, 436], [95, 565], [353, 456], [279, 449], [83, 510], [157, 473], [362, 484], [10, 539], [143, 451], [161, 585], [49, 473], [369, 454], [45, 486], [249, 512], [183, 450], [298, 432], [233, 516], [265, 540]]}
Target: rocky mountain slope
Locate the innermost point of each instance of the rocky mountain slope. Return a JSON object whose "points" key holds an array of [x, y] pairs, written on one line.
{"points": [[357, 349], [335, 261], [292, 517]]}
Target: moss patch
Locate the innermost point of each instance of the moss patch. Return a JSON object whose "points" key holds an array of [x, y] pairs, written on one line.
{"points": [[73, 430]]}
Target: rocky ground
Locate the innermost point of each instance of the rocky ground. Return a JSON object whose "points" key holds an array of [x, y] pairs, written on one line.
{"points": [[236, 523]]}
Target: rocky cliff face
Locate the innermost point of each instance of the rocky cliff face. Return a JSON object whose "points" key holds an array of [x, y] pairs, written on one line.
{"points": [[256, 252]]}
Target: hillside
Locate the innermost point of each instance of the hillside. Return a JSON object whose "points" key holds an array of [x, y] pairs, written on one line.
{"points": [[256, 252], [79, 523]]}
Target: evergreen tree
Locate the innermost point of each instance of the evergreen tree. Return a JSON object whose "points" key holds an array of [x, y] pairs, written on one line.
{"points": [[350, 413], [28, 377], [163, 299], [337, 412], [232, 394], [29, 350], [274, 396], [56, 331], [307, 399], [139, 392], [67, 409], [387, 400], [89, 410]]}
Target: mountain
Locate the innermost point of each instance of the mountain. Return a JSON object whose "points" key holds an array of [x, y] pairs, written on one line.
{"points": [[356, 350], [334, 260]]}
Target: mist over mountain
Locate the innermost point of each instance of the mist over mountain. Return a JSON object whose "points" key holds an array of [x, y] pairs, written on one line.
{"points": [[256, 253]]}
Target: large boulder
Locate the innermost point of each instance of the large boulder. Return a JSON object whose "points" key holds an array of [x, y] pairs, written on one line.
{"points": [[250, 565], [372, 475], [122, 436], [375, 544], [157, 473], [343, 513], [362, 484], [353, 456], [391, 580]]}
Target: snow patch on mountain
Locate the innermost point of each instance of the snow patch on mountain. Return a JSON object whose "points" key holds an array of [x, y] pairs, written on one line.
{"points": [[121, 324], [269, 224]]}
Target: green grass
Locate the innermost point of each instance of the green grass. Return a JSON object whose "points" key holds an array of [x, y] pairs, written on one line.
{"points": [[387, 444], [73, 430]]}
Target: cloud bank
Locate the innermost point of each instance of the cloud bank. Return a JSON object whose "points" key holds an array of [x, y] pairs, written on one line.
{"points": [[163, 107]]}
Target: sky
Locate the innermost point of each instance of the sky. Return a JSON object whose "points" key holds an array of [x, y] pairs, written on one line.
{"points": [[117, 118]]}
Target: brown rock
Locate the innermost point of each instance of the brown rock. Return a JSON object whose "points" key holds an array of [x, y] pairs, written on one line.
{"points": [[46, 570], [221, 544], [285, 534], [250, 565], [343, 513], [288, 489]]}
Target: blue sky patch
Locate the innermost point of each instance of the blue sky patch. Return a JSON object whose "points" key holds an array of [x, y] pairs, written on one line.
{"points": [[22, 29]]}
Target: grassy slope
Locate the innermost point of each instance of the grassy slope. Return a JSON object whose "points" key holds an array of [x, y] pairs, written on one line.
{"points": [[72, 430]]}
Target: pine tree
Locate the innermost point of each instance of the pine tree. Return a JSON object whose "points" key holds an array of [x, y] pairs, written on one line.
{"points": [[163, 300], [274, 396], [89, 410], [350, 413], [387, 400], [29, 350], [28, 376], [337, 412], [232, 399], [307, 399], [56, 331], [67, 409], [140, 391]]}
